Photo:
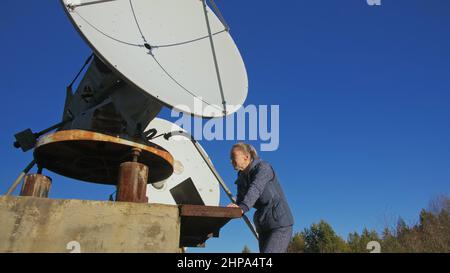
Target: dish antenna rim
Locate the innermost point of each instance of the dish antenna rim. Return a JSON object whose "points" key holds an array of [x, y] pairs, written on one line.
{"points": [[212, 114]]}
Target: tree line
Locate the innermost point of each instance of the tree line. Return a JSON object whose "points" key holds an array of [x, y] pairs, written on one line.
{"points": [[431, 233]]}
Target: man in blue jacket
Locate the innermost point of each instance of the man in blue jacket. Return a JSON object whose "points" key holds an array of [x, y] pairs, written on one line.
{"points": [[258, 187]]}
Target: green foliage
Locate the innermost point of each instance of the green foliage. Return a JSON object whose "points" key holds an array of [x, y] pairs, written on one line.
{"points": [[358, 243], [430, 234], [321, 238], [297, 244]]}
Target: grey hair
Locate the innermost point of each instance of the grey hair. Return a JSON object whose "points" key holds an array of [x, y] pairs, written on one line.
{"points": [[246, 148]]}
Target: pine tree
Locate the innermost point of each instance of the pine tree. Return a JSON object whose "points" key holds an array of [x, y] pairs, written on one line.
{"points": [[321, 238], [246, 249]]}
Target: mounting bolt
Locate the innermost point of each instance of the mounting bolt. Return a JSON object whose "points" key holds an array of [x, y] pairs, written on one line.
{"points": [[135, 153]]}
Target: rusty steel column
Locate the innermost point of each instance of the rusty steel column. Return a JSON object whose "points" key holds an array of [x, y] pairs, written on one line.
{"points": [[132, 184], [36, 185]]}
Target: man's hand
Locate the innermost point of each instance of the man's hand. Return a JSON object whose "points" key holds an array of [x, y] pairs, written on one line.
{"points": [[232, 205]]}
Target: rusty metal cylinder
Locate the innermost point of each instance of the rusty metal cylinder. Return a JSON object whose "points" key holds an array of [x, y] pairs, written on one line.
{"points": [[36, 185], [132, 184]]}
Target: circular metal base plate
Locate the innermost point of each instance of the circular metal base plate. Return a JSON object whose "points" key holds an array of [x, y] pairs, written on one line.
{"points": [[96, 157]]}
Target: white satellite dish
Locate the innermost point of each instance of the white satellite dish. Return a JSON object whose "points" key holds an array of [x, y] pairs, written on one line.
{"points": [[192, 180], [147, 53], [163, 47]]}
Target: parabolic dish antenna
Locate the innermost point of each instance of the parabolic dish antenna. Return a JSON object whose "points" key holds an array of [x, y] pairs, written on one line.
{"points": [[163, 47]]}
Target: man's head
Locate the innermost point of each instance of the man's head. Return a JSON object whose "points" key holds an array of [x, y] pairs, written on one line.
{"points": [[242, 155]]}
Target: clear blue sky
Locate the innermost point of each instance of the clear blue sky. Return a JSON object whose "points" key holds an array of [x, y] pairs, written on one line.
{"points": [[364, 96]]}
